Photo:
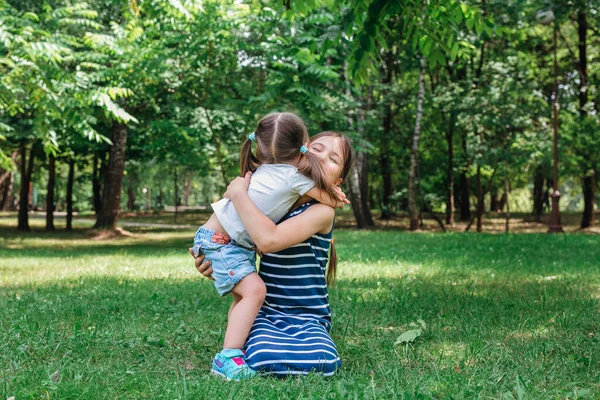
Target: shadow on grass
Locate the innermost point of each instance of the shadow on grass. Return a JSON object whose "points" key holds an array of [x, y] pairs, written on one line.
{"points": [[498, 310], [80, 242], [399, 253], [116, 329]]}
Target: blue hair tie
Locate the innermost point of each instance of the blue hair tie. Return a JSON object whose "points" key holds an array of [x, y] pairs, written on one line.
{"points": [[252, 137], [303, 149]]}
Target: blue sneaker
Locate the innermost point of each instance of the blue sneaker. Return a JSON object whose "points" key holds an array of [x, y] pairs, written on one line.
{"points": [[231, 365]]}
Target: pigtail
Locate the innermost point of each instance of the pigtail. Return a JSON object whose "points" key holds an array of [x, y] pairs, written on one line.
{"points": [[310, 166], [332, 268], [248, 161]]}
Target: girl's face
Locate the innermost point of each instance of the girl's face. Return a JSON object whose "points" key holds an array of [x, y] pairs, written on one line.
{"points": [[328, 149]]}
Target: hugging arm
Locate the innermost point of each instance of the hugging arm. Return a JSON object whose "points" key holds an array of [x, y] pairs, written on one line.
{"points": [[267, 236]]}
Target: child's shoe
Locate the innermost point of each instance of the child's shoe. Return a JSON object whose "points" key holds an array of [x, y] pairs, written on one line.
{"points": [[231, 365]]}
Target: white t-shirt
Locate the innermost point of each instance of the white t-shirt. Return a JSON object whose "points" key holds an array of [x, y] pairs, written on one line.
{"points": [[274, 188]]}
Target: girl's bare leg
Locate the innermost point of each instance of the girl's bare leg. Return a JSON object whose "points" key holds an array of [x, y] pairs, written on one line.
{"points": [[248, 296], [236, 299]]}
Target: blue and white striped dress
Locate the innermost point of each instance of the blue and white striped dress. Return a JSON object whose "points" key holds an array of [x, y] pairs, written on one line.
{"points": [[290, 335]]}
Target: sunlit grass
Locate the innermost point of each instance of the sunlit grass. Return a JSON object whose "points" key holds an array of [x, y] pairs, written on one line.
{"points": [[506, 317]]}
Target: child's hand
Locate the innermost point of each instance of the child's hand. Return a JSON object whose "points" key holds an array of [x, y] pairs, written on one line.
{"points": [[238, 186], [342, 200]]}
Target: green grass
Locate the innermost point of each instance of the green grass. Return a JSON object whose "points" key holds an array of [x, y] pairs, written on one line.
{"points": [[513, 316]]}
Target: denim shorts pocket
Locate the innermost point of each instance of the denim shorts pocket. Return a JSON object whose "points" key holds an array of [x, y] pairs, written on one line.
{"points": [[204, 247]]}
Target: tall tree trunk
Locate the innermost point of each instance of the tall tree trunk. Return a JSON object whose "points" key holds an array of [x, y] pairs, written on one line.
{"points": [[538, 194], [503, 201], [465, 206], [50, 193], [358, 177], [98, 169], [26, 171], [465, 192], [131, 196], [358, 184], [363, 168], [494, 200], [354, 194], [450, 172], [384, 158], [6, 185], [587, 219], [412, 173], [6, 191], [479, 200], [507, 194], [70, 181], [187, 188], [589, 184], [176, 191], [113, 179]]}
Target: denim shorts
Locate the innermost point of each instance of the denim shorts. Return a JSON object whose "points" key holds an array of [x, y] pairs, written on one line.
{"points": [[230, 262]]}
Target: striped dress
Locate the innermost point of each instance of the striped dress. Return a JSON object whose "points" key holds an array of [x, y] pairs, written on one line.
{"points": [[290, 335]]}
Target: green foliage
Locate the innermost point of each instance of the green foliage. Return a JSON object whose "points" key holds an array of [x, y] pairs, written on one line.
{"points": [[192, 78], [55, 74]]}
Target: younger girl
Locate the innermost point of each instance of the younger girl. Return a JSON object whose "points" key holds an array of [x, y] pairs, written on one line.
{"points": [[284, 170]]}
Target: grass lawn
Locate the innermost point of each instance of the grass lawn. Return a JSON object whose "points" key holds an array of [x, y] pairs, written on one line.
{"points": [[507, 316]]}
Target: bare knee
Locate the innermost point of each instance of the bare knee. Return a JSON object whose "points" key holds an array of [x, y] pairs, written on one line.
{"points": [[251, 288], [258, 291]]}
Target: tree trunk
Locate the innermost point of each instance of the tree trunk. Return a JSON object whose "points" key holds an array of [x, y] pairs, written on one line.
{"points": [[507, 193], [50, 193], [176, 191], [587, 219], [160, 197], [588, 200], [187, 188], [6, 185], [538, 194], [503, 201], [358, 184], [131, 196], [465, 204], [24, 192], [450, 173], [363, 168], [358, 177], [6, 191], [479, 201], [384, 158], [70, 180], [98, 169], [412, 173], [549, 186], [360, 214], [386, 177], [494, 200], [113, 179]]}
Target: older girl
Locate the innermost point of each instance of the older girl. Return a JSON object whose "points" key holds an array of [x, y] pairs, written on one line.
{"points": [[284, 170], [290, 335]]}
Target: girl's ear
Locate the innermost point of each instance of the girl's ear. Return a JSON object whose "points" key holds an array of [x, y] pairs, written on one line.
{"points": [[338, 181]]}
